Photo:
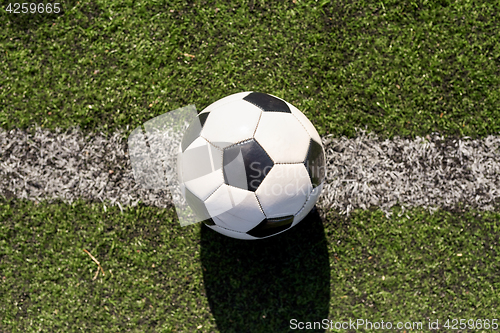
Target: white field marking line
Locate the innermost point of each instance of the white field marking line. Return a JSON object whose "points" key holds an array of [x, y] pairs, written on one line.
{"points": [[427, 172]]}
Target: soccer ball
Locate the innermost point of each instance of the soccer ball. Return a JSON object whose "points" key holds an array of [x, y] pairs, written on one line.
{"points": [[251, 165]]}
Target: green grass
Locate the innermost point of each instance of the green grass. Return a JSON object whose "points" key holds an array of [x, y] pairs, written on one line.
{"points": [[161, 277], [395, 68]]}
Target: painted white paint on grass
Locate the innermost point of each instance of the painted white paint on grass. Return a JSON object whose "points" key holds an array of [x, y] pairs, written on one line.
{"points": [[428, 172]]}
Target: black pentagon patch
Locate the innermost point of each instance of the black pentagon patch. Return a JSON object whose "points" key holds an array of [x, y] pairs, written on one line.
{"points": [[209, 222], [269, 227], [315, 163], [193, 131], [245, 165], [197, 205], [203, 117], [267, 102]]}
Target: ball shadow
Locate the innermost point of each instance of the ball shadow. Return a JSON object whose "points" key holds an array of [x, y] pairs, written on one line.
{"points": [[260, 286]]}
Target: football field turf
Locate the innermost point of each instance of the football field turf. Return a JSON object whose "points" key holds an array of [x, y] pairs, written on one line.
{"points": [[405, 96]]}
